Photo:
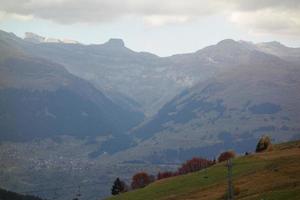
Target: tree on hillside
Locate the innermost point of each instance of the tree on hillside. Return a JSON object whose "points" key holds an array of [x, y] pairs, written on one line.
{"points": [[118, 187], [264, 144], [140, 180], [226, 156], [193, 165]]}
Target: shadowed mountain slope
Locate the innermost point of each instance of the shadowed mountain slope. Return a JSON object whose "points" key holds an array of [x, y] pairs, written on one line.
{"points": [[40, 98]]}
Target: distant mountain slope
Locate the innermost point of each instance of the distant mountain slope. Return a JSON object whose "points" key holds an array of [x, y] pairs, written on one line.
{"points": [[253, 93], [278, 49], [270, 175], [39, 99], [8, 195]]}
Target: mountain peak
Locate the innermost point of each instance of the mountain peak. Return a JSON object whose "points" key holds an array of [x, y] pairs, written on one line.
{"points": [[35, 38], [115, 42], [227, 42], [230, 45], [272, 44], [32, 37]]}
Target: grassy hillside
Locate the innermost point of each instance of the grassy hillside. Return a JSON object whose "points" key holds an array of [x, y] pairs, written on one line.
{"points": [[270, 175]]}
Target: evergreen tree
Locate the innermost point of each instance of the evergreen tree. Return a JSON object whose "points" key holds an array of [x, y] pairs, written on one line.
{"points": [[118, 187]]}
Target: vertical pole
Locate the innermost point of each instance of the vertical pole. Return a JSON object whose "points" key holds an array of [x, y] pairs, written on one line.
{"points": [[230, 188]]}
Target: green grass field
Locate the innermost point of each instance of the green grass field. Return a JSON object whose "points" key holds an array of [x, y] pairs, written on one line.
{"points": [[272, 175]]}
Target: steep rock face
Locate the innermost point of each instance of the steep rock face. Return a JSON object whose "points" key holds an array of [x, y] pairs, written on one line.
{"points": [[115, 43]]}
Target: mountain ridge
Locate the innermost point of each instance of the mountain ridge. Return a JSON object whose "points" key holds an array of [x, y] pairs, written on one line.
{"points": [[174, 73]]}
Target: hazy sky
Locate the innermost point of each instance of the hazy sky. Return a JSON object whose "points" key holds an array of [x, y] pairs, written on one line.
{"points": [[163, 27]]}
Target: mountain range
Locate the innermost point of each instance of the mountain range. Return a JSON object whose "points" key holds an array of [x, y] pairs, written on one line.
{"points": [[136, 110]]}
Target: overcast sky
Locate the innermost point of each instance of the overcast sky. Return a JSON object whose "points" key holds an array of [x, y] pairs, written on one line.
{"points": [[163, 27]]}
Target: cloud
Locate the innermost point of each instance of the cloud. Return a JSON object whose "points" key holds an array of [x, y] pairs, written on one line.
{"points": [[5, 15], [261, 16], [254, 5], [72, 11], [269, 21], [160, 20]]}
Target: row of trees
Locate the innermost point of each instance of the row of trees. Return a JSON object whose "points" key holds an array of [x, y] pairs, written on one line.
{"points": [[142, 179], [193, 165]]}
